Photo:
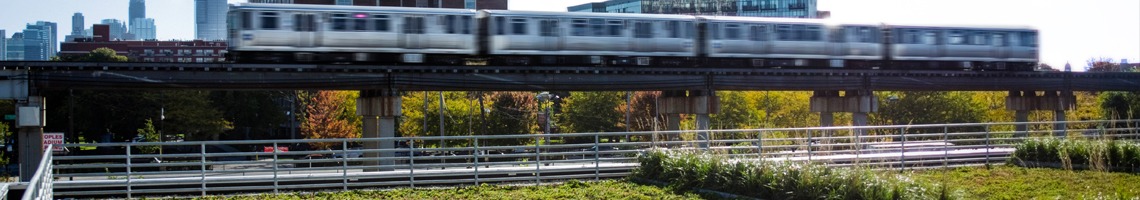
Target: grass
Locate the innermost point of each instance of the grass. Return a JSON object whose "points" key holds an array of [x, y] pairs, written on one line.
{"points": [[608, 189], [1099, 155], [772, 180], [1011, 182]]}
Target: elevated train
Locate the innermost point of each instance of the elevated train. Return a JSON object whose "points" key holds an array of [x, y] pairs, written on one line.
{"points": [[398, 35]]}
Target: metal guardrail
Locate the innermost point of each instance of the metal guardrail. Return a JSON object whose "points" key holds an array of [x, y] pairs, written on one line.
{"points": [[41, 187], [221, 167]]}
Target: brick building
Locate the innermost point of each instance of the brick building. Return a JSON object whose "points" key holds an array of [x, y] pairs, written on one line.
{"points": [[468, 4], [148, 51]]}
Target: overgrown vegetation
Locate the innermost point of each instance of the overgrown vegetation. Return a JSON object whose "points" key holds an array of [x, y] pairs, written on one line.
{"points": [[610, 189], [1099, 155], [770, 180], [1010, 182]]}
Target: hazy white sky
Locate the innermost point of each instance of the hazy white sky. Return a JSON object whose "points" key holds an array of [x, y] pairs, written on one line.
{"points": [[1071, 31]]}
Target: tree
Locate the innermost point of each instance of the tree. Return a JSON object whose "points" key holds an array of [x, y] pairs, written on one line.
{"points": [[149, 135], [324, 119], [904, 108], [252, 112], [191, 113], [511, 113], [102, 54], [591, 112]]}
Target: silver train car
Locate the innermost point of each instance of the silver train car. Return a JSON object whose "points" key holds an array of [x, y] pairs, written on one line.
{"points": [[396, 35]]}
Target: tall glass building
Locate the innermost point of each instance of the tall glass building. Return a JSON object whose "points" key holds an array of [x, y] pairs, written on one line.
{"points": [[756, 8], [118, 29], [210, 19], [143, 29], [136, 10], [40, 42], [77, 24], [15, 46], [3, 46]]}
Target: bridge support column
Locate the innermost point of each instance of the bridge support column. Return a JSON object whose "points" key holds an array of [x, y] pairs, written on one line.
{"points": [[857, 102], [30, 120], [379, 109], [1025, 101], [699, 102]]}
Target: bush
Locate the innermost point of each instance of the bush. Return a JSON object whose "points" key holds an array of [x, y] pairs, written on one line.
{"points": [[779, 180], [1101, 155]]}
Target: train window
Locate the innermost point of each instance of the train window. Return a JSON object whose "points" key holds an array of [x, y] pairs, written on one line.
{"points": [[246, 21], [1029, 39], [689, 30], [466, 24], [501, 25], [759, 33], [732, 31], [956, 37], [360, 22], [549, 27], [837, 35], [518, 26], [912, 37], [581, 27], [812, 33], [714, 31], [380, 23], [672, 27], [980, 38], [643, 30], [615, 28], [868, 35], [413, 25], [269, 21], [930, 37], [448, 23], [784, 32], [999, 39], [598, 27], [340, 22]]}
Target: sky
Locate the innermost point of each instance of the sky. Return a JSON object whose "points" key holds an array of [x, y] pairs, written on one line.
{"points": [[1071, 31]]}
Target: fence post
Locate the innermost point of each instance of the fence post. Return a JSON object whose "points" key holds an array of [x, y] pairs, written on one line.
{"points": [[945, 147], [344, 164], [760, 145], [809, 145], [202, 155], [988, 144], [275, 184], [476, 161], [129, 171], [537, 162], [902, 154], [412, 163], [597, 162]]}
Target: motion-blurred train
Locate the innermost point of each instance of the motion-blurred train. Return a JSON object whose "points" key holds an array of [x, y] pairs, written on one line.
{"points": [[396, 35]]}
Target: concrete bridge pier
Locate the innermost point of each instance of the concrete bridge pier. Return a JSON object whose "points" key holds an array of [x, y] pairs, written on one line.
{"points": [[699, 102], [1022, 102], [857, 102], [379, 109], [30, 120]]}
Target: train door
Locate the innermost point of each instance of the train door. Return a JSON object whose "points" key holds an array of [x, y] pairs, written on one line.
{"points": [[306, 25], [838, 45], [413, 31], [550, 32], [643, 36], [1001, 45]]}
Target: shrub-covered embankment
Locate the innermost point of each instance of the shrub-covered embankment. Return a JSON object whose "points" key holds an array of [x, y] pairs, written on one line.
{"points": [[1101, 155], [777, 180]]}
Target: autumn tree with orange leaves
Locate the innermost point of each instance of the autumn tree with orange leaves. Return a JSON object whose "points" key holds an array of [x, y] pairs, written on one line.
{"points": [[325, 117]]}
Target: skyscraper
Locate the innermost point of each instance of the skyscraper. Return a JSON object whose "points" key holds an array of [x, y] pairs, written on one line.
{"points": [[15, 46], [118, 29], [210, 19], [77, 24], [40, 42], [143, 29], [136, 10], [3, 46]]}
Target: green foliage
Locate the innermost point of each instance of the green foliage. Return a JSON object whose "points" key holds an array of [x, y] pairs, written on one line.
{"points": [[592, 112], [192, 113], [150, 135], [1099, 155], [98, 55], [253, 112], [95, 113], [736, 112], [462, 115], [511, 113], [608, 189], [1008, 182], [771, 180], [1120, 105]]}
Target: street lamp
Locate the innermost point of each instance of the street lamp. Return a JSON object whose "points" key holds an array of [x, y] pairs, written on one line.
{"points": [[542, 98]]}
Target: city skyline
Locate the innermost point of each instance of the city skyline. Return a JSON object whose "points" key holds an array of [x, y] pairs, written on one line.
{"points": [[1071, 31]]}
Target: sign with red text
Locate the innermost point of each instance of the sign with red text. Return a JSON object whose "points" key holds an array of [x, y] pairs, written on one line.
{"points": [[53, 139]]}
